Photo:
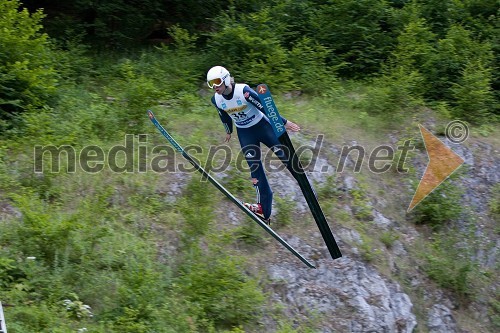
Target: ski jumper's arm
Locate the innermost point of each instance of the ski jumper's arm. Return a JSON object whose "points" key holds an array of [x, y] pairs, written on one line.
{"points": [[224, 117], [252, 97]]}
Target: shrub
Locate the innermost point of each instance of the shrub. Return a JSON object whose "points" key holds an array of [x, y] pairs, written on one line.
{"points": [[284, 206], [308, 61], [415, 45], [367, 249], [388, 238], [357, 32], [494, 203], [7, 271], [42, 232], [197, 208], [27, 75], [440, 207], [216, 284], [392, 95], [178, 68], [249, 233], [448, 263], [329, 189], [138, 92], [362, 207], [263, 58], [447, 64], [472, 95], [235, 182]]}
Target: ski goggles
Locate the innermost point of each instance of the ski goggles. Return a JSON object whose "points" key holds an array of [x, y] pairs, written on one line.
{"points": [[215, 82]]}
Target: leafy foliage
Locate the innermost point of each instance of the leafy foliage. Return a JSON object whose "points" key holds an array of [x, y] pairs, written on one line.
{"points": [[264, 61], [453, 54], [393, 95], [285, 207], [308, 60], [448, 263], [216, 283], [197, 210], [440, 207], [494, 204], [27, 75], [357, 32], [472, 95]]}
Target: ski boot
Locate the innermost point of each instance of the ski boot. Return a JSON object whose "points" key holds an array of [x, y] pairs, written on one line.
{"points": [[257, 210]]}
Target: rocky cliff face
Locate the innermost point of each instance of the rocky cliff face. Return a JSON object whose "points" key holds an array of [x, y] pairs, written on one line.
{"points": [[353, 294], [354, 297]]}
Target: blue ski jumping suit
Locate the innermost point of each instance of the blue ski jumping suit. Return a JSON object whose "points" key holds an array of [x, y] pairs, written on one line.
{"points": [[244, 108]]}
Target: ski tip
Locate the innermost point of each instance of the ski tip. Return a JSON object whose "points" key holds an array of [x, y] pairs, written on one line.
{"points": [[150, 114], [262, 89]]}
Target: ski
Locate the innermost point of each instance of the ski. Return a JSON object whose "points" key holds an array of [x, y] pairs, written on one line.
{"points": [[225, 191], [299, 174]]}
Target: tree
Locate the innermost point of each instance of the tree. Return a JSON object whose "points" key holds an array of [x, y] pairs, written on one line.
{"points": [[473, 98], [252, 48], [452, 55], [357, 31], [27, 74], [415, 45]]}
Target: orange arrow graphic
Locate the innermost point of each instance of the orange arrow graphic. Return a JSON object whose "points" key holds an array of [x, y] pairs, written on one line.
{"points": [[442, 163]]}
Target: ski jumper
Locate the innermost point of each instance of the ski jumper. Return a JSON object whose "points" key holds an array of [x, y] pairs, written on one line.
{"points": [[244, 108]]}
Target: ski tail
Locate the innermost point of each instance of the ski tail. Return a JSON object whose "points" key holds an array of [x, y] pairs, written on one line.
{"points": [[311, 199], [298, 171], [228, 194]]}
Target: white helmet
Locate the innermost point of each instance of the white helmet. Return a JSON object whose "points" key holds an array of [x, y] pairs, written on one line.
{"points": [[218, 75]]}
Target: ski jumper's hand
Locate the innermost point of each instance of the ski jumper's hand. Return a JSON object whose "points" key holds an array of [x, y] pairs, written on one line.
{"points": [[228, 137], [291, 126]]}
